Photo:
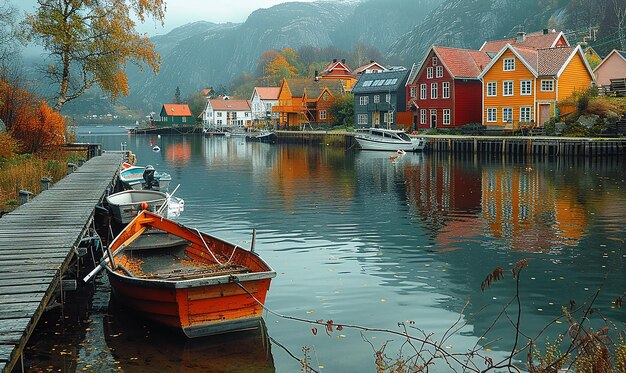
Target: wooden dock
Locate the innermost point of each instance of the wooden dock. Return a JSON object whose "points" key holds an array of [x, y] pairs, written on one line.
{"points": [[37, 242]]}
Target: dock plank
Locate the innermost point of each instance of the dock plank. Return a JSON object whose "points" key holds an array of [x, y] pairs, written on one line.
{"points": [[37, 242]]}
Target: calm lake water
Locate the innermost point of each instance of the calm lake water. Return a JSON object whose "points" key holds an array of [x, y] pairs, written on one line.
{"points": [[359, 238]]}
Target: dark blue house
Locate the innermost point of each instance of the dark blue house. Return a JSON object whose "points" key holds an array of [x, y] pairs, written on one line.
{"points": [[379, 97]]}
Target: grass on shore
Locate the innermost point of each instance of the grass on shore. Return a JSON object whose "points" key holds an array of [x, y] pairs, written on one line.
{"points": [[24, 172]]}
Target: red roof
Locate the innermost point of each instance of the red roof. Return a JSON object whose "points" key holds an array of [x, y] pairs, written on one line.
{"points": [[373, 64], [534, 40], [268, 93], [230, 105], [462, 63], [177, 110], [336, 68]]}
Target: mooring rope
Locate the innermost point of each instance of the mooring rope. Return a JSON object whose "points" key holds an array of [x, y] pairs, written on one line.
{"points": [[211, 252]]}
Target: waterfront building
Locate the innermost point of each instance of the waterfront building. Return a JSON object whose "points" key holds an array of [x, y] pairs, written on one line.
{"points": [[305, 102], [174, 115], [338, 71], [227, 114], [261, 103], [612, 67], [444, 90], [369, 68], [380, 99], [522, 87]]}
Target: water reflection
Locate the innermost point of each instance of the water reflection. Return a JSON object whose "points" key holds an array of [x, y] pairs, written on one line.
{"points": [[138, 346]]}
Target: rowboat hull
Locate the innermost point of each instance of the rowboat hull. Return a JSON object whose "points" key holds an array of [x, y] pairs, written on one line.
{"points": [[171, 274]]}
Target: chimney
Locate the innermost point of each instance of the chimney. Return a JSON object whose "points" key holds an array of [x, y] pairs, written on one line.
{"points": [[546, 31], [343, 60], [371, 61], [334, 60], [316, 78], [521, 36]]}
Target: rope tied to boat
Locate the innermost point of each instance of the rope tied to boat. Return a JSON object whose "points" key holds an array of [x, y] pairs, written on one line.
{"points": [[211, 252]]}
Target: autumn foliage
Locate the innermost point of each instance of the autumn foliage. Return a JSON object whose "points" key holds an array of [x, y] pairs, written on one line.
{"points": [[30, 122]]}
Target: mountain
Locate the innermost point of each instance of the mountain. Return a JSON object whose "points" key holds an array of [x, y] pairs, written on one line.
{"points": [[205, 54]]}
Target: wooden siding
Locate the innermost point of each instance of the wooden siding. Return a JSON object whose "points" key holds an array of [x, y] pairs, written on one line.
{"points": [[498, 75], [467, 102], [613, 67], [434, 104], [574, 78]]}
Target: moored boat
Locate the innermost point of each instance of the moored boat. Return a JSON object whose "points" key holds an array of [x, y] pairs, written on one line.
{"points": [[263, 136], [138, 178], [388, 140], [125, 205], [182, 278]]}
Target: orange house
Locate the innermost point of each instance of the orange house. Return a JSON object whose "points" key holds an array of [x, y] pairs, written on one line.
{"points": [[339, 71], [522, 86], [303, 101]]}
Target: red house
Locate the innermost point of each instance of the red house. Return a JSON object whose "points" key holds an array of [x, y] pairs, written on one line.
{"points": [[444, 91]]}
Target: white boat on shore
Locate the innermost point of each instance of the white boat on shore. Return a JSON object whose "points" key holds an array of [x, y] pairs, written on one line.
{"points": [[388, 140]]}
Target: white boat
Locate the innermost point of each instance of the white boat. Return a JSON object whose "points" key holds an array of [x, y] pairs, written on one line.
{"points": [[388, 140], [138, 178], [124, 206], [263, 136]]}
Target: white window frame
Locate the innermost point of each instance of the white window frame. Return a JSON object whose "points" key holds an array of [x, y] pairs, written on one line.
{"points": [[376, 99], [322, 114], [508, 84], [492, 114], [445, 90], [429, 72], [388, 118], [492, 89], [387, 97], [547, 87], [364, 100], [508, 64], [362, 118], [422, 116], [522, 114], [423, 91], [413, 91], [504, 114], [446, 117], [439, 72], [526, 88], [434, 90], [434, 60]]}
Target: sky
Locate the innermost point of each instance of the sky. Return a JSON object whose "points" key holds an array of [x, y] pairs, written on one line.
{"points": [[180, 12]]}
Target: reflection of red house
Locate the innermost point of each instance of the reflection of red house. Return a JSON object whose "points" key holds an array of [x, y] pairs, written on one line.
{"points": [[178, 154], [444, 91], [442, 194]]}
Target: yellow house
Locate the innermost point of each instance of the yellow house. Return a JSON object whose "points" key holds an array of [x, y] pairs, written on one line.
{"points": [[522, 86]]}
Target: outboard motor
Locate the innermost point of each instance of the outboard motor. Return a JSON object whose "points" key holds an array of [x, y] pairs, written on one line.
{"points": [[149, 180]]}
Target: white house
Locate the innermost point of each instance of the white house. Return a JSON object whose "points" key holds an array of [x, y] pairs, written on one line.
{"points": [[227, 114], [263, 98]]}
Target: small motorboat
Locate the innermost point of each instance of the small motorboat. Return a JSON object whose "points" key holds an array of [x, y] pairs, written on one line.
{"points": [[124, 206], [388, 140], [263, 136], [140, 178], [182, 278]]}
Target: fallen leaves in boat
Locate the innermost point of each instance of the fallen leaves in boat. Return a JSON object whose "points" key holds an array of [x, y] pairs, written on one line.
{"points": [[132, 265]]}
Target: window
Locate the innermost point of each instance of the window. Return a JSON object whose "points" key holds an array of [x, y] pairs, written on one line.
{"points": [[367, 83], [439, 71], [389, 117], [423, 91], [507, 88], [429, 73], [433, 90], [413, 91], [445, 88], [446, 116], [492, 114], [526, 87], [364, 100], [525, 114], [423, 116], [507, 114], [376, 99], [362, 118], [219, 113], [492, 89], [434, 59], [508, 64], [322, 114], [388, 98], [547, 85], [184, 119]]}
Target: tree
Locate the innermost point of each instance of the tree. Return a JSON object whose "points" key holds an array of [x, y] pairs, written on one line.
{"points": [[196, 103], [177, 96], [342, 109], [278, 69], [7, 34], [90, 42]]}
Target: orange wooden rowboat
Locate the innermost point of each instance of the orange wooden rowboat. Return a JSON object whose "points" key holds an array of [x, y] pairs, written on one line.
{"points": [[186, 279]]}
